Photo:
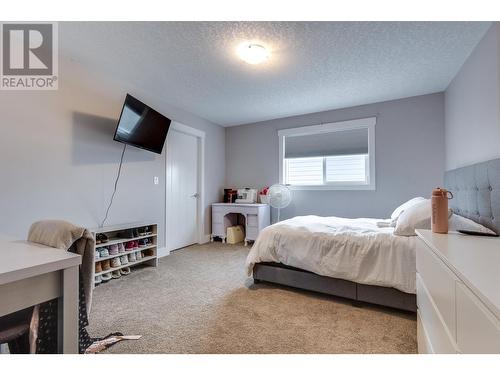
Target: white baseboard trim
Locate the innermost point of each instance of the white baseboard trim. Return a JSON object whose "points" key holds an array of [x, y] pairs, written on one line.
{"points": [[162, 252], [204, 239]]}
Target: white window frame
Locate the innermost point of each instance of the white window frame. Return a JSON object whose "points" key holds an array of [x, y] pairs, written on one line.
{"points": [[364, 123]]}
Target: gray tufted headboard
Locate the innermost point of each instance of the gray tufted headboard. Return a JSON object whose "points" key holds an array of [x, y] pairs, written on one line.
{"points": [[476, 191]]}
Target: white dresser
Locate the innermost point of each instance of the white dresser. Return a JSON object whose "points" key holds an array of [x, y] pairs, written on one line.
{"points": [[256, 216], [458, 293]]}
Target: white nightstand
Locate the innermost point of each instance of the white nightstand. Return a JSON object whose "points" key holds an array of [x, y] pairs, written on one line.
{"points": [[458, 293]]}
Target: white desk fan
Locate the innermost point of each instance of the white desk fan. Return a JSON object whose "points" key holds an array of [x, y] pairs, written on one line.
{"points": [[280, 196]]}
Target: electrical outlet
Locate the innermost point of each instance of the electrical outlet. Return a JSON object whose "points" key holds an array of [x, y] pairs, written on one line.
{"points": [[156, 180]]}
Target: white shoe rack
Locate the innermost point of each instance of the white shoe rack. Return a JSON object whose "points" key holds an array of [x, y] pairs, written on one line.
{"points": [[114, 238]]}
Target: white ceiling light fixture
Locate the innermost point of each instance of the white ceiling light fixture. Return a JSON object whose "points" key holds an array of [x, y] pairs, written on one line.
{"points": [[253, 53]]}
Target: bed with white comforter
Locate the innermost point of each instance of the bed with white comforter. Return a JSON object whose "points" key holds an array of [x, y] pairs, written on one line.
{"points": [[357, 250]]}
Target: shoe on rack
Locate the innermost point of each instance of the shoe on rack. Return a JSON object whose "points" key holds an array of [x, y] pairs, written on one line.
{"points": [[136, 245], [121, 247], [127, 233], [97, 254], [113, 249], [131, 257], [143, 231], [101, 238], [98, 267], [138, 255], [124, 260], [103, 251], [106, 276], [129, 246], [136, 232], [143, 242], [97, 280], [125, 270], [115, 262], [105, 264], [116, 274]]}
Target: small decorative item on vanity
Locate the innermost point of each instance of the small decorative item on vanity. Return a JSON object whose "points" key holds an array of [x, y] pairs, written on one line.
{"points": [[439, 202], [230, 195], [246, 195], [263, 195]]}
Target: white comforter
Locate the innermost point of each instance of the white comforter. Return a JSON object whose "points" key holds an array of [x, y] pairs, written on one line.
{"points": [[351, 249]]}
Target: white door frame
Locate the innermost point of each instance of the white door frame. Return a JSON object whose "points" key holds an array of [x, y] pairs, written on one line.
{"points": [[200, 220]]}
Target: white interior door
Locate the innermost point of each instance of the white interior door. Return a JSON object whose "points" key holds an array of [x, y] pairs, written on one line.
{"points": [[182, 190]]}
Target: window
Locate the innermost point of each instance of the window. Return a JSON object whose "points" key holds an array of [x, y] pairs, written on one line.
{"points": [[329, 156]]}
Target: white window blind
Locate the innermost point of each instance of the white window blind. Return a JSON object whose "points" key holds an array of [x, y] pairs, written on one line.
{"points": [[345, 142]]}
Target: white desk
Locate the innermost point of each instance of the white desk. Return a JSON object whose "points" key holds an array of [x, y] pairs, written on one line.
{"points": [[31, 274], [257, 217], [458, 293]]}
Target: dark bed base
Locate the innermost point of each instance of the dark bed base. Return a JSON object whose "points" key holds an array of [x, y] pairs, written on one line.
{"points": [[281, 274]]}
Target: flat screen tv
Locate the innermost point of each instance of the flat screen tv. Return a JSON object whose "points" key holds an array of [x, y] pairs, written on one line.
{"points": [[141, 126]]}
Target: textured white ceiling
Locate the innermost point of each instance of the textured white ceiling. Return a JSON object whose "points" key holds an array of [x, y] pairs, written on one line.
{"points": [[314, 66]]}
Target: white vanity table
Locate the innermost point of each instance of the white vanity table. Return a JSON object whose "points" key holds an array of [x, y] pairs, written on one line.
{"points": [[257, 216], [458, 293]]}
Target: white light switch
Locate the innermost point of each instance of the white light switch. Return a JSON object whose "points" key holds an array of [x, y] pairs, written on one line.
{"points": [[156, 180]]}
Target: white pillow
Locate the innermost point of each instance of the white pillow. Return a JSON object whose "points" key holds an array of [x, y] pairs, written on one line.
{"points": [[456, 222], [417, 216], [399, 210]]}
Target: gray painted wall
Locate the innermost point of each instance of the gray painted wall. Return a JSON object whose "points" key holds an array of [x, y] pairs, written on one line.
{"points": [[410, 157], [59, 160], [472, 106]]}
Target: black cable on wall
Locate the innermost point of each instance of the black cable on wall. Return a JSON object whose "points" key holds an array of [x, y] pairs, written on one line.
{"points": [[116, 184]]}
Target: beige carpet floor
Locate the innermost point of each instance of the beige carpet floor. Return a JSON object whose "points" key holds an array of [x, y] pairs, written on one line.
{"points": [[199, 300]]}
